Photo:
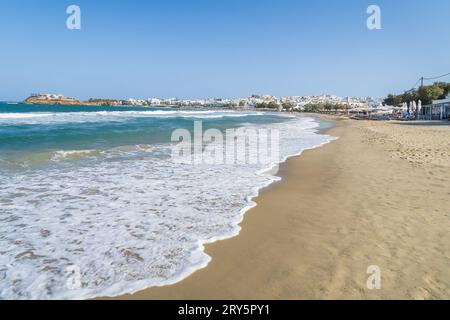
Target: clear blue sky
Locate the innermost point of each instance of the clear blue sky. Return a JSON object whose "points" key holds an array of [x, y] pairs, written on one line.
{"points": [[228, 48]]}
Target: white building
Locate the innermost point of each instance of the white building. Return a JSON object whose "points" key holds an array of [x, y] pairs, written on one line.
{"points": [[440, 109], [154, 101]]}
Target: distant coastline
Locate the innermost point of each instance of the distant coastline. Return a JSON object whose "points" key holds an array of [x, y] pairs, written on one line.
{"points": [[53, 99], [56, 99], [260, 102], [420, 105]]}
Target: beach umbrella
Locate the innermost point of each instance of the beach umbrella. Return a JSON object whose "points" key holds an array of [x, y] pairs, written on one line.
{"points": [[419, 107], [414, 107], [405, 108]]}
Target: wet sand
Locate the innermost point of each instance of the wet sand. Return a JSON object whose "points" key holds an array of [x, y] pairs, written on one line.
{"points": [[380, 195]]}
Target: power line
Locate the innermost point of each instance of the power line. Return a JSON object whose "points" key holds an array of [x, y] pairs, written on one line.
{"points": [[414, 86], [434, 78], [422, 79]]}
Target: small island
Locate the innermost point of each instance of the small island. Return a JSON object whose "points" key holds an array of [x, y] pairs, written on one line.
{"points": [[51, 99], [59, 99]]}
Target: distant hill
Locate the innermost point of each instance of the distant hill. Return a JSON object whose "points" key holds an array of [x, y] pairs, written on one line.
{"points": [[62, 100], [51, 99]]}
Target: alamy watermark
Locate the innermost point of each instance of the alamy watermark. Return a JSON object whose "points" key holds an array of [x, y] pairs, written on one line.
{"points": [[373, 22], [374, 279], [239, 146], [73, 274], [374, 19], [73, 22]]}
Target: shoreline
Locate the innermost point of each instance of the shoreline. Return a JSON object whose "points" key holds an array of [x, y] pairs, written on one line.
{"points": [[313, 234], [323, 126], [326, 123], [195, 257]]}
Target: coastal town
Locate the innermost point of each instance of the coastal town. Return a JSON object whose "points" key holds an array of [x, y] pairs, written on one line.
{"points": [[409, 106], [254, 101]]}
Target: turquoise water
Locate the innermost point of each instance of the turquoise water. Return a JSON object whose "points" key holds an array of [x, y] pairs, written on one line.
{"points": [[28, 129], [94, 191]]}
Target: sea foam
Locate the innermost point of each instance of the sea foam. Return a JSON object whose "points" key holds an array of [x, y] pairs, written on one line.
{"points": [[97, 116], [127, 218]]}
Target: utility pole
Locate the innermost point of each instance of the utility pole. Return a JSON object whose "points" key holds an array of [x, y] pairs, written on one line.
{"points": [[421, 82]]}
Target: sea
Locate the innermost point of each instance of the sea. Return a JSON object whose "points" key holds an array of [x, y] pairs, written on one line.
{"points": [[92, 203]]}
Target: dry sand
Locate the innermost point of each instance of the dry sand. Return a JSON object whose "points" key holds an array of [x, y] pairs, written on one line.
{"points": [[380, 195]]}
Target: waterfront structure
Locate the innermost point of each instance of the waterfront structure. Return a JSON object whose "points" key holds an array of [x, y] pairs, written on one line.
{"points": [[438, 110]]}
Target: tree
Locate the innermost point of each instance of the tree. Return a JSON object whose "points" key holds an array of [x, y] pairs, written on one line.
{"points": [[328, 106], [311, 108], [409, 96], [287, 105], [267, 105], [429, 93], [272, 105], [393, 100], [446, 87], [426, 94]]}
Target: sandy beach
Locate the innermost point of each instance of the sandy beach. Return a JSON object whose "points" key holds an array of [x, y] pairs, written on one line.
{"points": [[379, 195]]}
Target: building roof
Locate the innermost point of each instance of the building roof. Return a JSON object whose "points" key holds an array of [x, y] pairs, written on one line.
{"points": [[442, 101]]}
